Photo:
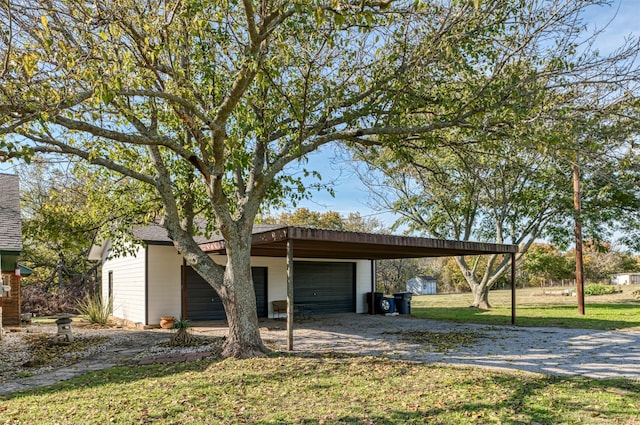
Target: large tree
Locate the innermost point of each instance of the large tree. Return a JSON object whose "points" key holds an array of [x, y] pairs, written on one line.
{"points": [[481, 188], [501, 196], [207, 102]]}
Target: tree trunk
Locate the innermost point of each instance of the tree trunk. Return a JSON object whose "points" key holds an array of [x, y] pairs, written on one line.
{"points": [[481, 297], [233, 284], [480, 290], [239, 300]]}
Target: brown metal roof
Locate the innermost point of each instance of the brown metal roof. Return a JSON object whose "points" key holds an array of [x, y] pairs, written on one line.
{"points": [[320, 243]]}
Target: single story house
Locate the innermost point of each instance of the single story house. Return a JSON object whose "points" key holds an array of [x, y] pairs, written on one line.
{"points": [[422, 285], [332, 271], [10, 249], [626, 279]]}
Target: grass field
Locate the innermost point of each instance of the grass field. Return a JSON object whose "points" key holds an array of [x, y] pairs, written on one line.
{"points": [[344, 389], [534, 308], [284, 389]]}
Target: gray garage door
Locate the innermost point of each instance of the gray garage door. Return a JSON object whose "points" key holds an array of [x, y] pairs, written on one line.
{"points": [[325, 287], [203, 302]]}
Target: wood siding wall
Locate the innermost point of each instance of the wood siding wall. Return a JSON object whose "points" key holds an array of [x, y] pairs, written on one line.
{"points": [[129, 295], [11, 304]]}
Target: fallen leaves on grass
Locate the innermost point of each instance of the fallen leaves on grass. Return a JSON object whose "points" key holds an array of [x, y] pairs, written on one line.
{"points": [[441, 342]]}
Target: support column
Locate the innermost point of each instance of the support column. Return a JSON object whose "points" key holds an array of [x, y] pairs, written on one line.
{"points": [[513, 288], [372, 300], [289, 295], [184, 313]]}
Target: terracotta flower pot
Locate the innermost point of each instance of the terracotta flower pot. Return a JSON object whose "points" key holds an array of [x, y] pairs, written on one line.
{"points": [[166, 322]]}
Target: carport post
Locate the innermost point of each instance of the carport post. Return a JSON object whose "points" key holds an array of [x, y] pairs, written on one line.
{"points": [[513, 288], [289, 295], [373, 287]]}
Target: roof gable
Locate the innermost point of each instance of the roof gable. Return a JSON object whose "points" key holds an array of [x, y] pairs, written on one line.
{"points": [[10, 222]]}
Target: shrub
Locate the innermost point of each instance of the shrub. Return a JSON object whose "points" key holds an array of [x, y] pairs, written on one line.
{"points": [[42, 299], [599, 289], [182, 337], [94, 309]]}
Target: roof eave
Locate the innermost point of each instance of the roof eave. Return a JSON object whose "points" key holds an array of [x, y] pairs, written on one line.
{"points": [[321, 243]]}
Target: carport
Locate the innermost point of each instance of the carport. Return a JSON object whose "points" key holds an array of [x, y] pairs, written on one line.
{"points": [[290, 241]]}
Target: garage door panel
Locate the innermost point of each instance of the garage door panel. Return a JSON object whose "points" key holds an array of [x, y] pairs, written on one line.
{"points": [[203, 303], [324, 287]]}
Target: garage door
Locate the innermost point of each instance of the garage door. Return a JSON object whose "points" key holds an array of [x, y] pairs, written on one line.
{"points": [[325, 287], [203, 302]]}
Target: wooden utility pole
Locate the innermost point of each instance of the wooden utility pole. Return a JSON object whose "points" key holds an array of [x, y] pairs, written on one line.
{"points": [[577, 228]]}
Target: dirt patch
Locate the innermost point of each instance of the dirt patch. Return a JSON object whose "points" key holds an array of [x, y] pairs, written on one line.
{"points": [[36, 349], [47, 350]]}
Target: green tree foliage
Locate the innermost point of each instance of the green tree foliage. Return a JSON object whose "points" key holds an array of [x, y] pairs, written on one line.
{"points": [[544, 264], [211, 104], [331, 220], [487, 191], [306, 218], [64, 206], [602, 261]]}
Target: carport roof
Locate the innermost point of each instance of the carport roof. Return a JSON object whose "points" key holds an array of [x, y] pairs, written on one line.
{"points": [[271, 241]]}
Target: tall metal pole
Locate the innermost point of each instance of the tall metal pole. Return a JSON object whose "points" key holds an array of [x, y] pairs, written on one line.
{"points": [[578, 233]]}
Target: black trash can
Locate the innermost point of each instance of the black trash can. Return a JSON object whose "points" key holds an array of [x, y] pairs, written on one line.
{"points": [[403, 302], [374, 307]]}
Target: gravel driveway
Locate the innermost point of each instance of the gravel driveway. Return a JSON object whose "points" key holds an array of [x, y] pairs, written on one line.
{"points": [[554, 351]]}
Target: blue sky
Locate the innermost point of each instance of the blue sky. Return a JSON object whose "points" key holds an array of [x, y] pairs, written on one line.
{"points": [[350, 193], [621, 19]]}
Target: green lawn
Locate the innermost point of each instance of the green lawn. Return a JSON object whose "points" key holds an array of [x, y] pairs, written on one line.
{"points": [[343, 389], [284, 389], [534, 308]]}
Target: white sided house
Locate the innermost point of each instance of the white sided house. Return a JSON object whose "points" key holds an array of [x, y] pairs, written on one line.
{"points": [[332, 271], [422, 285], [626, 279]]}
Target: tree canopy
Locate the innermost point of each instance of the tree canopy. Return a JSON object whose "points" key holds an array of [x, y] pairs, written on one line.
{"points": [[207, 102]]}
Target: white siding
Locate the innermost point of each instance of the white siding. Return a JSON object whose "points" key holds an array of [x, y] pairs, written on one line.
{"points": [[164, 275], [363, 284], [626, 279], [128, 285], [164, 282]]}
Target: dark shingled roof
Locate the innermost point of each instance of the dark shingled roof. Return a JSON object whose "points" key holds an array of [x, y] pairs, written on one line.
{"points": [[10, 224]]}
